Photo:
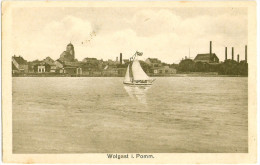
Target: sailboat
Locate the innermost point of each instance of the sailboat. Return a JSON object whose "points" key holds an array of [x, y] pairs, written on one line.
{"points": [[135, 75]]}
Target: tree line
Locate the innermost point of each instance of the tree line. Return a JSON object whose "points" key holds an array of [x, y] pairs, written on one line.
{"points": [[228, 67]]}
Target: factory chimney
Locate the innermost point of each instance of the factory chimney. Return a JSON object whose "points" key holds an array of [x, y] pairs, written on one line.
{"points": [[232, 53], [210, 47], [120, 58], [246, 53], [225, 53], [238, 58]]}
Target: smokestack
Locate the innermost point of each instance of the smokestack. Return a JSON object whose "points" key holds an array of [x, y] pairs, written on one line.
{"points": [[232, 53], [210, 47], [120, 58], [225, 53], [246, 53], [238, 58]]}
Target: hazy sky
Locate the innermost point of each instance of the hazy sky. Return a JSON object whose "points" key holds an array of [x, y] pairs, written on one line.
{"points": [[164, 33]]}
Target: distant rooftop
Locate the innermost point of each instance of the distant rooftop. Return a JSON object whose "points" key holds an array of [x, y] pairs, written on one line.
{"points": [[70, 44], [19, 60], [154, 60], [72, 64], [90, 58], [205, 56]]}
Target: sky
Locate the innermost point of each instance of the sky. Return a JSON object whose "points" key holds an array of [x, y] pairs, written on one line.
{"points": [[169, 34]]}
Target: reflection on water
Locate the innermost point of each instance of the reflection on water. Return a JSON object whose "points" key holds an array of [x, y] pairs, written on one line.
{"points": [[98, 115], [137, 92]]}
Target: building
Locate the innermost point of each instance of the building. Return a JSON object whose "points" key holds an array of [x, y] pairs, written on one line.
{"points": [[59, 64], [71, 68], [42, 67], [68, 55], [48, 60], [125, 61], [14, 68], [52, 64], [31, 66], [164, 70], [74, 64], [110, 62], [207, 57], [93, 63], [110, 71], [19, 65], [90, 60], [153, 62]]}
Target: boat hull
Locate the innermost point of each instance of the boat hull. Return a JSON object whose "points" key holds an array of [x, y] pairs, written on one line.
{"points": [[129, 83], [139, 83]]}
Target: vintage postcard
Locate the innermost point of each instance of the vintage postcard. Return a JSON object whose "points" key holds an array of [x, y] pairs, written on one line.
{"points": [[129, 82]]}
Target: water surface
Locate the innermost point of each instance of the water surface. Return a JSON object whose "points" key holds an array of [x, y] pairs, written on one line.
{"points": [[101, 115]]}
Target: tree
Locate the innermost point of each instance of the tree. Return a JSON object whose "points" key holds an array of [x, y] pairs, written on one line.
{"points": [[175, 66], [230, 67], [147, 68], [186, 65], [199, 67]]}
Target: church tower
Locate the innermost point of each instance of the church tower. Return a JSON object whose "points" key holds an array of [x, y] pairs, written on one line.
{"points": [[70, 50], [68, 55]]}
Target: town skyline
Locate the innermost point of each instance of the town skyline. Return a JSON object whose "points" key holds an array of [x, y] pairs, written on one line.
{"points": [[68, 65], [175, 33], [228, 55]]}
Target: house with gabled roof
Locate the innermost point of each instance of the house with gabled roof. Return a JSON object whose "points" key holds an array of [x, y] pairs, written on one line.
{"points": [[207, 57], [51, 63], [59, 64], [210, 57], [19, 64]]}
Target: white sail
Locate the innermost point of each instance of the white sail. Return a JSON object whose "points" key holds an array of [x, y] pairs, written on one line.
{"points": [[127, 75], [138, 72]]}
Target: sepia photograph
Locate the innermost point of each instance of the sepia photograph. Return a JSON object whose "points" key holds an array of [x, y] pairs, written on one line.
{"points": [[128, 81]]}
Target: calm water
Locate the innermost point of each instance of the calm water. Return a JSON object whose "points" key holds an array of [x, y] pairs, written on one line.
{"points": [[90, 115]]}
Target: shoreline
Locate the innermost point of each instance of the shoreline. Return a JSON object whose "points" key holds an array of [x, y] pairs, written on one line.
{"points": [[173, 75]]}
